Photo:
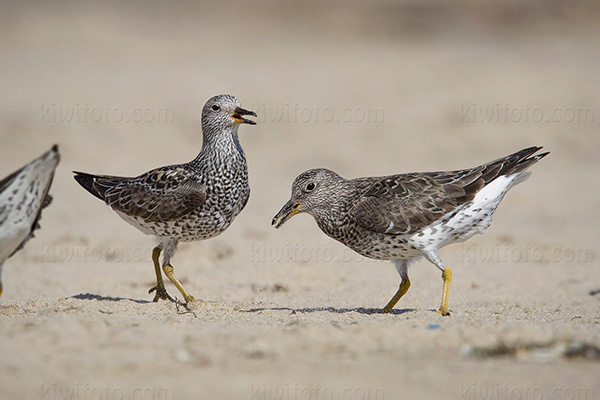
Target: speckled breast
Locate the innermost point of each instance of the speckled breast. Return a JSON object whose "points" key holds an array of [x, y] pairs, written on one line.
{"points": [[378, 246]]}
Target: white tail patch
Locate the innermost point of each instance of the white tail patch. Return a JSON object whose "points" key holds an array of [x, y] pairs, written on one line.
{"points": [[474, 217]]}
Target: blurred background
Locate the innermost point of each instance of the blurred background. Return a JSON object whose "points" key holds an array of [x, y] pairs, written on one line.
{"points": [[363, 88]]}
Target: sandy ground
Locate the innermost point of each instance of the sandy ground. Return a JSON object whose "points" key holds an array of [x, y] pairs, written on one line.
{"points": [[290, 314]]}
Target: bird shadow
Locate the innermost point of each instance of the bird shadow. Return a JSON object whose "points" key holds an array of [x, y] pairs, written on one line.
{"points": [[360, 310], [97, 297]]}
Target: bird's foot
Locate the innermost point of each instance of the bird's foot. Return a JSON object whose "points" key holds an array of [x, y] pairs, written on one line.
{"points": [[386, 310], [189, 307], [444, 311], [161, 293], [191, 303]]}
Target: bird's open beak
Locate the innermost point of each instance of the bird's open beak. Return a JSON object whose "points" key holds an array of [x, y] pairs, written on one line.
{"points": [[238, 116], [287, 211]]}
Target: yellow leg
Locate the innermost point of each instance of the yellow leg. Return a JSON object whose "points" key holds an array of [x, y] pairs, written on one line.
{"points": [[161, 292], [168, 268], [447, 277], [404, 285]]}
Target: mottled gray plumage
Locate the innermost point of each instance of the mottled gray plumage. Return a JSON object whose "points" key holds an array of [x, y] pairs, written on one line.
{"points": [[403, 217], [23, 195], [186, 202]]}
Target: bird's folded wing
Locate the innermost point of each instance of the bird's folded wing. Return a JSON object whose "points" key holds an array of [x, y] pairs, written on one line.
{"points": [[35, 224], [404, 204], [5, 208], [7, 181], [163, 194]]}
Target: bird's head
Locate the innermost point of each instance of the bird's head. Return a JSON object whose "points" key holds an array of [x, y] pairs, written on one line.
{"points": [[224, 111], [313, 192]]}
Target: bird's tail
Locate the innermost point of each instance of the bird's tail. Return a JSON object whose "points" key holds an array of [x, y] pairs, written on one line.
{"points": [[524, 159], [97, 184], [513, 164], [87, 181]]}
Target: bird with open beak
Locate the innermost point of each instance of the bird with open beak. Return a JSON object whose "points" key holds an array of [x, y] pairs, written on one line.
{"points": [[193, 201]]}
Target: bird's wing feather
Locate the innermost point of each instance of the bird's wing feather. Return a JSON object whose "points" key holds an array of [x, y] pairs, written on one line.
{"points": [[6, 182], [404, 204], [162, 194], [36, 222]]}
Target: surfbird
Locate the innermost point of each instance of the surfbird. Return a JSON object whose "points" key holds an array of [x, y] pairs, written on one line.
{"points": [[23, 195], [186, 202], [404, 217]]}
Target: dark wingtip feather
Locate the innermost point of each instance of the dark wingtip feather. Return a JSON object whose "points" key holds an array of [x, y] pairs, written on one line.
{"points": [[527, 158], [87, 182]]}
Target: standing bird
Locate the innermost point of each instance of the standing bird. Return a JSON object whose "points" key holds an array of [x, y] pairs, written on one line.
{"points": [[404, 217], [23, 195], [193, 201]]}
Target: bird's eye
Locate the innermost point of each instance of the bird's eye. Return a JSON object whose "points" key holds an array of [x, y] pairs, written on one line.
{"points": [[310, 186], [215, 107]]}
